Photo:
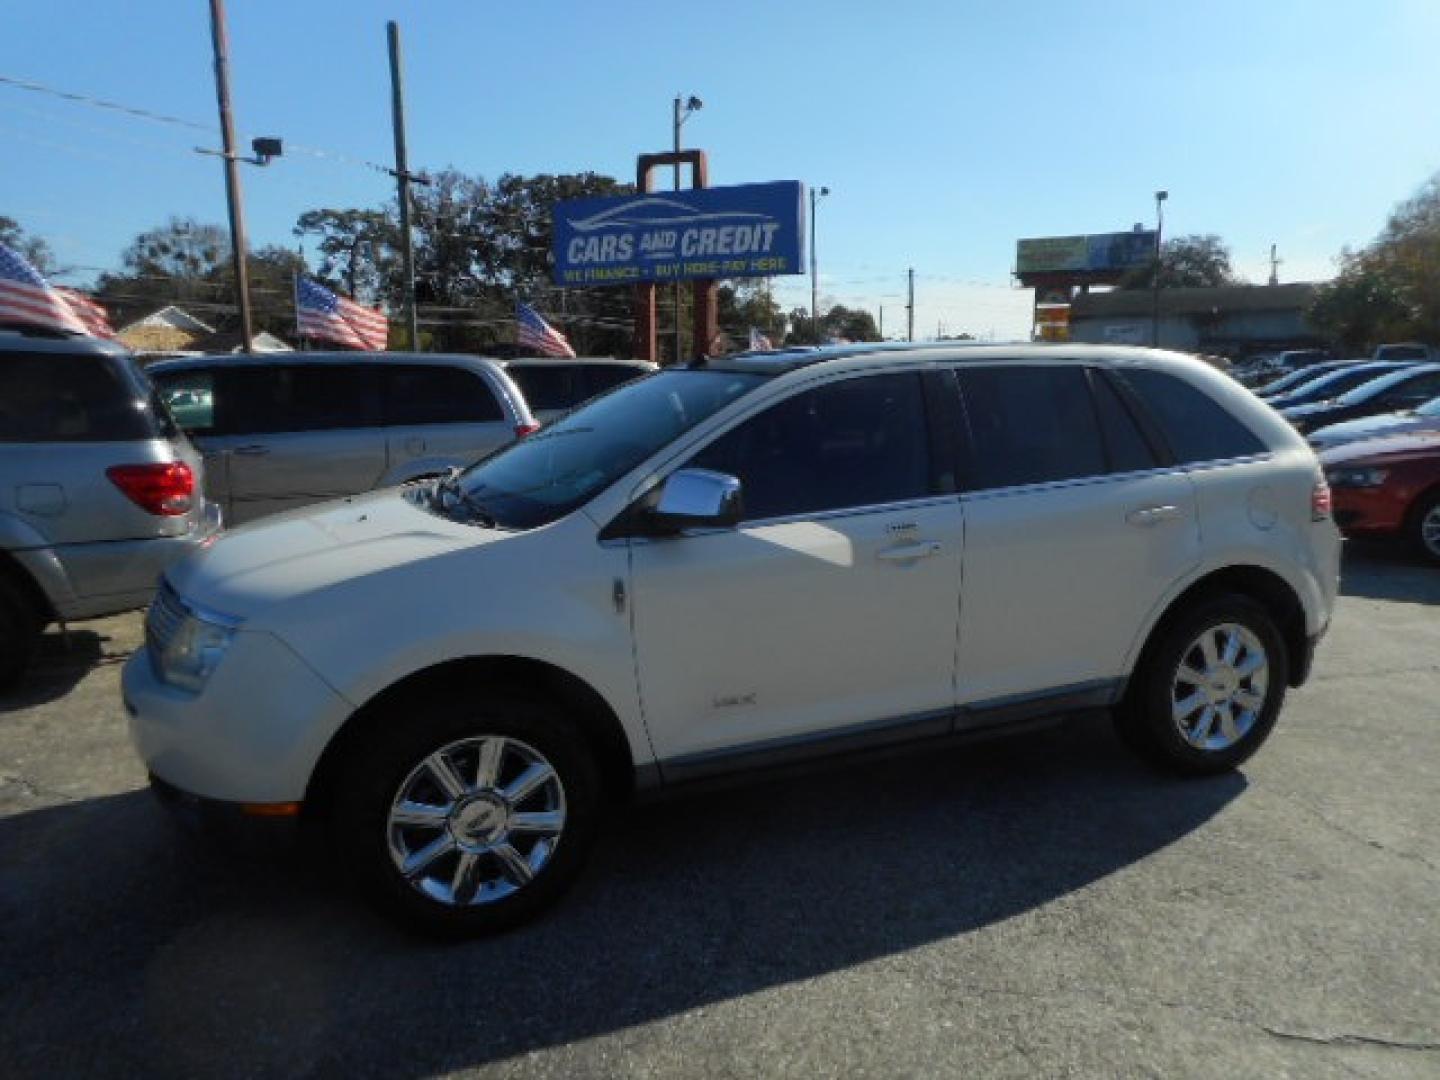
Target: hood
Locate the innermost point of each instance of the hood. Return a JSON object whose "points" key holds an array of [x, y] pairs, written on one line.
{"points": [[1420, 444], [300, 552], [1369, 427], [1305, 410]]}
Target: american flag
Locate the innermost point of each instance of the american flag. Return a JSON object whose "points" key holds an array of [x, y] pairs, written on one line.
{"points": [[535, 333], [28, 299], [322, 315], [95, 317], [758, 341]]}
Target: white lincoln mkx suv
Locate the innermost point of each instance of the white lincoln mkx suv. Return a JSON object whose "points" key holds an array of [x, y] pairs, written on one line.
{"points": [[763, 558]]}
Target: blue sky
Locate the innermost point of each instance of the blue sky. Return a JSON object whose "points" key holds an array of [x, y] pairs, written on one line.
{"points": [[946, 130]]}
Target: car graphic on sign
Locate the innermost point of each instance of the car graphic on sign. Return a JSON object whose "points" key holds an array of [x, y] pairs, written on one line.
{"points": [[658, 211]]}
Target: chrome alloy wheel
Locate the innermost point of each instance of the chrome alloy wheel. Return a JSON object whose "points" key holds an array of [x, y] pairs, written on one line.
{"points": [[1430, 531], [1220, 687], [476, 820]]}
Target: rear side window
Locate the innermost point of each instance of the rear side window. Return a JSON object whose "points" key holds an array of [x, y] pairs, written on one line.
{"points": [[1030, 425], [190, 397], [548, 386], [603, 377], [1196, 426], [69, 398], [318, 397], [1128, 451], [426, 394]]}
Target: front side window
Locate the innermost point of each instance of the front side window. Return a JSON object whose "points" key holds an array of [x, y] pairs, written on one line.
{"points": [[1195, 425], [47, 397], [431, 394], [860, 442], [263, 398], [1030, 425], [542, 478]]}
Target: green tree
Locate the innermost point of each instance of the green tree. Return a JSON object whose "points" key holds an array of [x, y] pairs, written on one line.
{"points": [[1196, 261], [359, 251], [32, 248]]}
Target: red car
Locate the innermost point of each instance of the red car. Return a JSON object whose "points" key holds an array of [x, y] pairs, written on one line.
{"points": [[1388, 487]]}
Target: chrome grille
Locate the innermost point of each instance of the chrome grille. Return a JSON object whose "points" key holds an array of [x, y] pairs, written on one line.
{"points": [[162, 620]]}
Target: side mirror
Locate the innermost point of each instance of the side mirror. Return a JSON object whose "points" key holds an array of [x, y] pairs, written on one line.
{"points": [[697, 499]]}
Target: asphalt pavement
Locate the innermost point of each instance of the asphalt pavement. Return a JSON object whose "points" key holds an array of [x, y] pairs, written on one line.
{"points": [[1038, 906]]}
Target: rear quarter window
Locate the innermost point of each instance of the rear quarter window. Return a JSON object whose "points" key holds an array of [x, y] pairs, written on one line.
{"points": [[426, 394], [1197, 427], [49, 397]]}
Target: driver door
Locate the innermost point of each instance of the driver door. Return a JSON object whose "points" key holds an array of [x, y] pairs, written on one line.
{"points": [[833, 606]]}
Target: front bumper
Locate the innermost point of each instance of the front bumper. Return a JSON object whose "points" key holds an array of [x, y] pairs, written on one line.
{"points": [[252, 735], [234, 825], [1373, 511]]}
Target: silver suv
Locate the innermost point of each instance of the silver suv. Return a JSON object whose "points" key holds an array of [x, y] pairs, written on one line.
{"points": [[282, 431], [99, 491]]}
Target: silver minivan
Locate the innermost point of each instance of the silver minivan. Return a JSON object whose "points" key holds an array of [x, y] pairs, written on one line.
{"points": [[99, 491], [284, 430]]}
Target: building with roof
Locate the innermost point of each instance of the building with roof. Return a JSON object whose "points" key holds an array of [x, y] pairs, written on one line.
{"points": [[173, 330], [1231, 320]]}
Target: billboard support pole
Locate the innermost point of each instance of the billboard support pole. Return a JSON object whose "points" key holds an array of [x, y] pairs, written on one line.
{"points": [[705, 330]]}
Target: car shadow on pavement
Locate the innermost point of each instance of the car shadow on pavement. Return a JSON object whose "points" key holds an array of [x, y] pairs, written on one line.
{"points": [[61, 660], [130, 952], [1377, 570]]}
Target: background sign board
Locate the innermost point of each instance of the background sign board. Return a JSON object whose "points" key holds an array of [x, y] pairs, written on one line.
{"points": [[750, 230], [1094, 253]]}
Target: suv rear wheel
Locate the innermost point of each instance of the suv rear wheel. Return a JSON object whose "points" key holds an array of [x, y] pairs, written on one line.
{"points": [[466, 820], [1208, 688], [20, 626]]}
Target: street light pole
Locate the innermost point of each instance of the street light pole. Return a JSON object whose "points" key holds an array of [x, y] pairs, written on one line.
{"points": [[402, 181], [683, 109], [814, 277], [220, 39], [1160, 197]]}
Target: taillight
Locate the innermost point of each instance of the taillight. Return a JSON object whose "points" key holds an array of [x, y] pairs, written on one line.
{"points": [[1321, 503], [165, 489], [521, 430]]}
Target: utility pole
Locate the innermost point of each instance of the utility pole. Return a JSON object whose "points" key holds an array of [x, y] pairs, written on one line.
{"points": [[1160, 197], [1274, 266], [814, 275], [882, 322], [402, 182], [220, 38], [683, 109], [910, 309]]}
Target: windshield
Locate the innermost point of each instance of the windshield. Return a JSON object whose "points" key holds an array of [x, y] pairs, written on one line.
{"points": [[1295, 378], [1336, 383], [540, 479], [1430, 408]]}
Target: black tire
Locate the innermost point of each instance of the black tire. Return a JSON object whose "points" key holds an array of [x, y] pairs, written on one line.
{"points": [[392, 756], [1145, 718], [1425, 507], [20, 627]]}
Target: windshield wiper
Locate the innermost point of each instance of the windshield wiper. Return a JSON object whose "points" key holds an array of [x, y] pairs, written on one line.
{"points": [[449, 494]]}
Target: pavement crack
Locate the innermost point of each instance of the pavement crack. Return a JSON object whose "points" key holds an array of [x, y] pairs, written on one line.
{"points": [[32, 790], [1335, 826], [1347, 1039]]}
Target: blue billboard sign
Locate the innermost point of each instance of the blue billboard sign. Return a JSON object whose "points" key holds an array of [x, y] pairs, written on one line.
{"points": [[750, 230]]}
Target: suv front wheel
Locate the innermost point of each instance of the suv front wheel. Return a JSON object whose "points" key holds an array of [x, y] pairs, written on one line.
{"points": [[1208, 688], [467, 820]]}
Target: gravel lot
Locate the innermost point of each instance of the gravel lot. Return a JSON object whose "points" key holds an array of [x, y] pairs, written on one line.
{"points": [[1038, 906]]}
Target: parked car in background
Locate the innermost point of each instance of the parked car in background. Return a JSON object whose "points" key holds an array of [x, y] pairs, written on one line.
{"points": [[554, 385], [1425, 417], [1407, 351], [735, 565], [99, 491], [1336, 383], [1294, 380], [1407, 388], [1388, 487], [283, 430]]}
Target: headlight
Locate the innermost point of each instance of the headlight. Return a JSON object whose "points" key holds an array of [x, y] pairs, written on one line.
{"points": [[1357, 478], [185, 646]]}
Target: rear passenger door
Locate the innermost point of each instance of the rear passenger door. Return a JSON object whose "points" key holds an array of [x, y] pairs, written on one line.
{"points": [[437, 416], [1075, 527], [295, 434]]}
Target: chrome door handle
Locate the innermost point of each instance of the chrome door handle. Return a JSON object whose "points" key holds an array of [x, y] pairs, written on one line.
{"points": [[909, 552], [254, 450], [1153, 515]]}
